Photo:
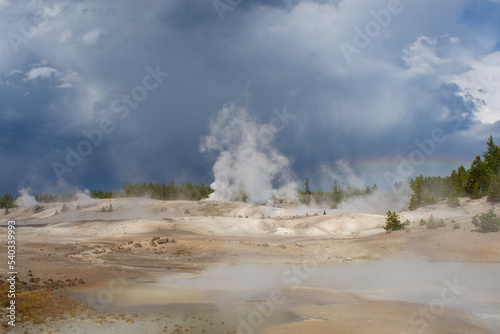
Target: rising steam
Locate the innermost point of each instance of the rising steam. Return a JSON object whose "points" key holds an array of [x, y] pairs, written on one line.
{"points": [[25, 199], [248, 166], [84, 199], [376, 202]]}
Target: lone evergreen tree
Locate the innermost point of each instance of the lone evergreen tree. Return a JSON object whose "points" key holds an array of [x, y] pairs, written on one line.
{"points": [[337, 194], [417, 198], [393, 223], [494, 189], [477, 179], [491, 156]]}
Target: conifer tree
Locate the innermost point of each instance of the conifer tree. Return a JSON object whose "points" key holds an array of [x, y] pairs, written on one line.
{"points": [[417, 198], [491, 156], [452, 200], [494, 189], [476, 180]]}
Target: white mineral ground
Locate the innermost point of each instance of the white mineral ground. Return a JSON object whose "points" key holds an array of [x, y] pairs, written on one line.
{"points": [[235, 267]]}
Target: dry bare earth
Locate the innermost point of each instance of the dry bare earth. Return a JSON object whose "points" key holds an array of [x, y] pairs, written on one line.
{"points": [[131, 243]]}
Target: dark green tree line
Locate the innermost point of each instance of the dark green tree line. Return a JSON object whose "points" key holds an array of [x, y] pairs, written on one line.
{"points": [[7, 201], [480, 180], [184, 191], [332, 198]]}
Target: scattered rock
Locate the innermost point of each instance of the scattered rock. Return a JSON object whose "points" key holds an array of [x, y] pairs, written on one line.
{"points": [[137, 245], [182, 252], [162, 241], [38, 208]]}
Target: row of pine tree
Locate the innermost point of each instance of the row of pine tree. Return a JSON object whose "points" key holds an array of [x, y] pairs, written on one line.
{"points": [[332, 198], [184, 191], [482, 179]]}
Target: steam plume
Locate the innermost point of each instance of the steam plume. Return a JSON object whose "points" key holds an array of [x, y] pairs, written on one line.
{"points": [[84, 198], [26, 199], [376, 202], [248, 167]]}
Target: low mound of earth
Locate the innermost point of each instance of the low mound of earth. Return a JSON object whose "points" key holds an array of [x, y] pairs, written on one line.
{"points": [[144, 241]]}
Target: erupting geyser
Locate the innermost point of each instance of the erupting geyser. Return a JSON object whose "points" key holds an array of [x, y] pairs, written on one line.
{"points": [[248, 166]]}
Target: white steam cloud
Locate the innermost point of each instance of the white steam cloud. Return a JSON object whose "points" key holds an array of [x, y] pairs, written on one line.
{"points": [[342, 174], [248, 166], [84, 199], [376, 202], [25, 199]]}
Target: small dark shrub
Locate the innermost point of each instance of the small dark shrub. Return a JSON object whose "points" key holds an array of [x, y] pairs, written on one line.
{"points": [[487, 222], [393, 223], [433, 224]]}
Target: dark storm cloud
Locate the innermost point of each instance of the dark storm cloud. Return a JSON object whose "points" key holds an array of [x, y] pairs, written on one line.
{"points": [[63, 77]]}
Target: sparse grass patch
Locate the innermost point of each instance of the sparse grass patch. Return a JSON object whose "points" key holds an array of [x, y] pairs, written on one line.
{"points": [[41, 306]]}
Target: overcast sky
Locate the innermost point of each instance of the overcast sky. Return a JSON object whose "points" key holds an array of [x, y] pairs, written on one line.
{"points": [[97, 93]]}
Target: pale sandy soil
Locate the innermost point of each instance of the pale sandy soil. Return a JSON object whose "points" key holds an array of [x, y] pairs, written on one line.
{"points": [[124, 264]]}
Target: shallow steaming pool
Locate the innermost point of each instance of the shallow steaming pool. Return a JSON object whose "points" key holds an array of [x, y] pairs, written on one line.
{"points": [[237, 298]]}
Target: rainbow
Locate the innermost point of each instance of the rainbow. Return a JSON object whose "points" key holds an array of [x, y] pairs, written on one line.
{"points": [[374, 170]]}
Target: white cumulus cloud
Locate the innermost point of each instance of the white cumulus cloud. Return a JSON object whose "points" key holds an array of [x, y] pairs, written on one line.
{"points": [[91, 37], [41, 72]]}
